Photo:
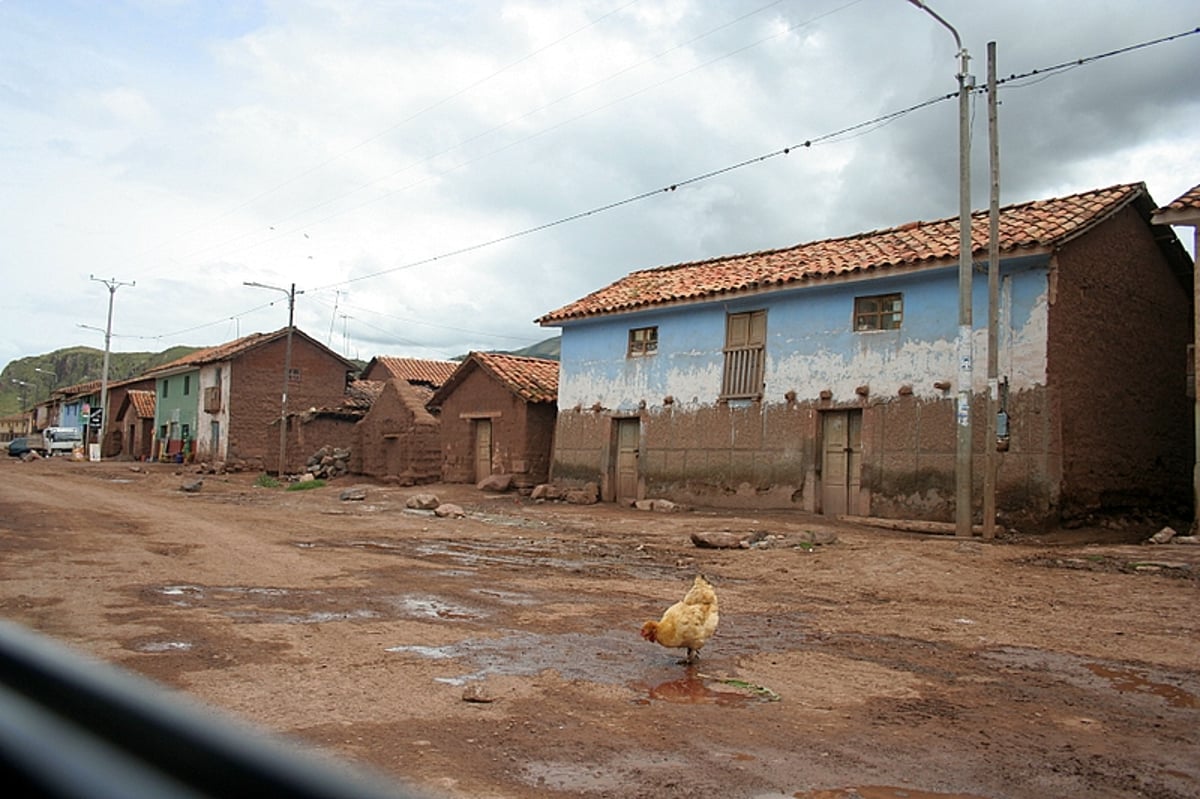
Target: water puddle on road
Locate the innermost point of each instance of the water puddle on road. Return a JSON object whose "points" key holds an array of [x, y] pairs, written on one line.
{"points": [[695, 689], [880, 792], [1130, 681]]}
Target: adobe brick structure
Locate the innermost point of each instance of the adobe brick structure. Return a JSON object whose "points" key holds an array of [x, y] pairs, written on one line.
{"points": [[1095, 323], [224, 403], [333, 426], [505, 404], [398, 439], [135, 420], [114, 443]]}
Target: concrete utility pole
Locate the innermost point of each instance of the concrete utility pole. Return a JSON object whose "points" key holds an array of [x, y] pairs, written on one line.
{"points": [[287, 370], [992, 460], [113, 284], [962, 457]]}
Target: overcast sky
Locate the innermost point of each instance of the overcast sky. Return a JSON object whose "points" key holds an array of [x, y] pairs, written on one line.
{"points": [[387, 156]]}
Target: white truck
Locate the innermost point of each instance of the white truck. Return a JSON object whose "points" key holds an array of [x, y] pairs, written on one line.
{"points": [[61, 440]]}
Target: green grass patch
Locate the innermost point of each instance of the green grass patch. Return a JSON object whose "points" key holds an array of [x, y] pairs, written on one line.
{"points": [[306, 485], [267, 481]]}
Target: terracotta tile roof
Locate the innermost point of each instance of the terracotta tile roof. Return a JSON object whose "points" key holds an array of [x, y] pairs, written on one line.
{"points": [[231, 349], [142, 402], [221, 352], [531, 379], [362, 393], [80, 389], [416, 370], [1188, 201], [1027, 226]]}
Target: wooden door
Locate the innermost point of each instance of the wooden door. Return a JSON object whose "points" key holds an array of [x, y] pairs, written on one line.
{"points": [[841, 461], [483, 448], [629, 435]]}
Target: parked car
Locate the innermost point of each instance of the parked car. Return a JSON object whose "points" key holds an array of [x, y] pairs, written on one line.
{"points": [[19, 446]]}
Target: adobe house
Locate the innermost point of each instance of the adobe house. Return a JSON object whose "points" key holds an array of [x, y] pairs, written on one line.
{"points": [[497, 417], [822, 376], [397, 440], [223, 403], [135, 422], [114, 443]]}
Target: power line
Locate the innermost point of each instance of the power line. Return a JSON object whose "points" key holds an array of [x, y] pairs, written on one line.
{"points": [[337, 156], [524, 139], [826, 138]]}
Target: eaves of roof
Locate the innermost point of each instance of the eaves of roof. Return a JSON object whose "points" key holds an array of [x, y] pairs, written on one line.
{"points": [[534, 380], [1024, 228]]}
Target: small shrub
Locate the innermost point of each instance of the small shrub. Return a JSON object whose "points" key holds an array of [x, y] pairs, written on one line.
{"points": [[306, 485], [267, 481]]}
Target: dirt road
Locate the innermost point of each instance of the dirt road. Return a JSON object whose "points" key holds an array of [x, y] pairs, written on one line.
{"points": [[884, 661]]}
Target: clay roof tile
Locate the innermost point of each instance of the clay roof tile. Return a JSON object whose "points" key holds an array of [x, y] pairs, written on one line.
{"points": [[1026, 226]]}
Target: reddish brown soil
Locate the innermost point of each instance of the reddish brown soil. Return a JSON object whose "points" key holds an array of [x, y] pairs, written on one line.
{"points": [[904, 665]]}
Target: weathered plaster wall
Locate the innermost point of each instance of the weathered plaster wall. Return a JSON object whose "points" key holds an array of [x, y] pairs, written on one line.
{"points": [[206, 448], [811, 345]]}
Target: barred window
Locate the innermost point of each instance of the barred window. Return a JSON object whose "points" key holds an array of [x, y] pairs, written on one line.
{"points": [[881, 312], [745, 354], [642, 341]]}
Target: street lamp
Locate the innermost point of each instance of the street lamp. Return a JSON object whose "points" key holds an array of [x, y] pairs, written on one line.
{"points": [[23, 386], [113, 284], [962, 459], [287, 368]]}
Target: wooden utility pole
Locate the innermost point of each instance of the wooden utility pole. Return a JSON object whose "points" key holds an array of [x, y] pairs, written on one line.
{"points": [[992, 456]]}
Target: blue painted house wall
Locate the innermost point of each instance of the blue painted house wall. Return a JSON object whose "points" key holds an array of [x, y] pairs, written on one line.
{"points": [[1092, 336]]}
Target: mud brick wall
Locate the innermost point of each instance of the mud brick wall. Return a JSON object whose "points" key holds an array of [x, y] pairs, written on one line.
{"points": [[398, 439], [522, 434], [1119, 330], [255, 388], [307, 434]]}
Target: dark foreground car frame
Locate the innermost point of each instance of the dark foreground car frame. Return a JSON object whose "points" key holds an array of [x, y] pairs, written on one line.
{"points": [[71, 727]]}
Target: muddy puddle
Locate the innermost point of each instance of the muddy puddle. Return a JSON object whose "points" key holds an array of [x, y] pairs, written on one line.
{"points": [[266, 605], [879, 792], [1125, 680], [521, 552], [1175, 690]]}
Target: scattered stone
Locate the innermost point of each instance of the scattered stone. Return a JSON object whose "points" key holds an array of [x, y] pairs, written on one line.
{"points": [[422, 502], [546, 491], [589, 494], [477, 694], [328, 462], [353, 495], [727, 540], [1163, 536], [307, 477], [818, 536], [495, 482], [136, 469], [192, 486], [1186, 539], [449, 510], [658, 505]]}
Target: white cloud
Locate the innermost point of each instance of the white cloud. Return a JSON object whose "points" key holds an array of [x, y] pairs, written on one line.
{"points": [[192, 150]]}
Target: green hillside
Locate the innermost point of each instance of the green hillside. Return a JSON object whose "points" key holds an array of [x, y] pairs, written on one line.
{"points": [[66, 367]]}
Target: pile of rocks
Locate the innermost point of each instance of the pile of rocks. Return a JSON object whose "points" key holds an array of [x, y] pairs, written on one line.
{"points": [[328, 462]]}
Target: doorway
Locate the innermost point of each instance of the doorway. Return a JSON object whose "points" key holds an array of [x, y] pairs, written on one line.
{"points": [[625, 461], [841, 462], [483, 448]]}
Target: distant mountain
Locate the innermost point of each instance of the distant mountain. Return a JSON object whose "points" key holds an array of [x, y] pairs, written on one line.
{"points": [[67, 367], [548, 349]]}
